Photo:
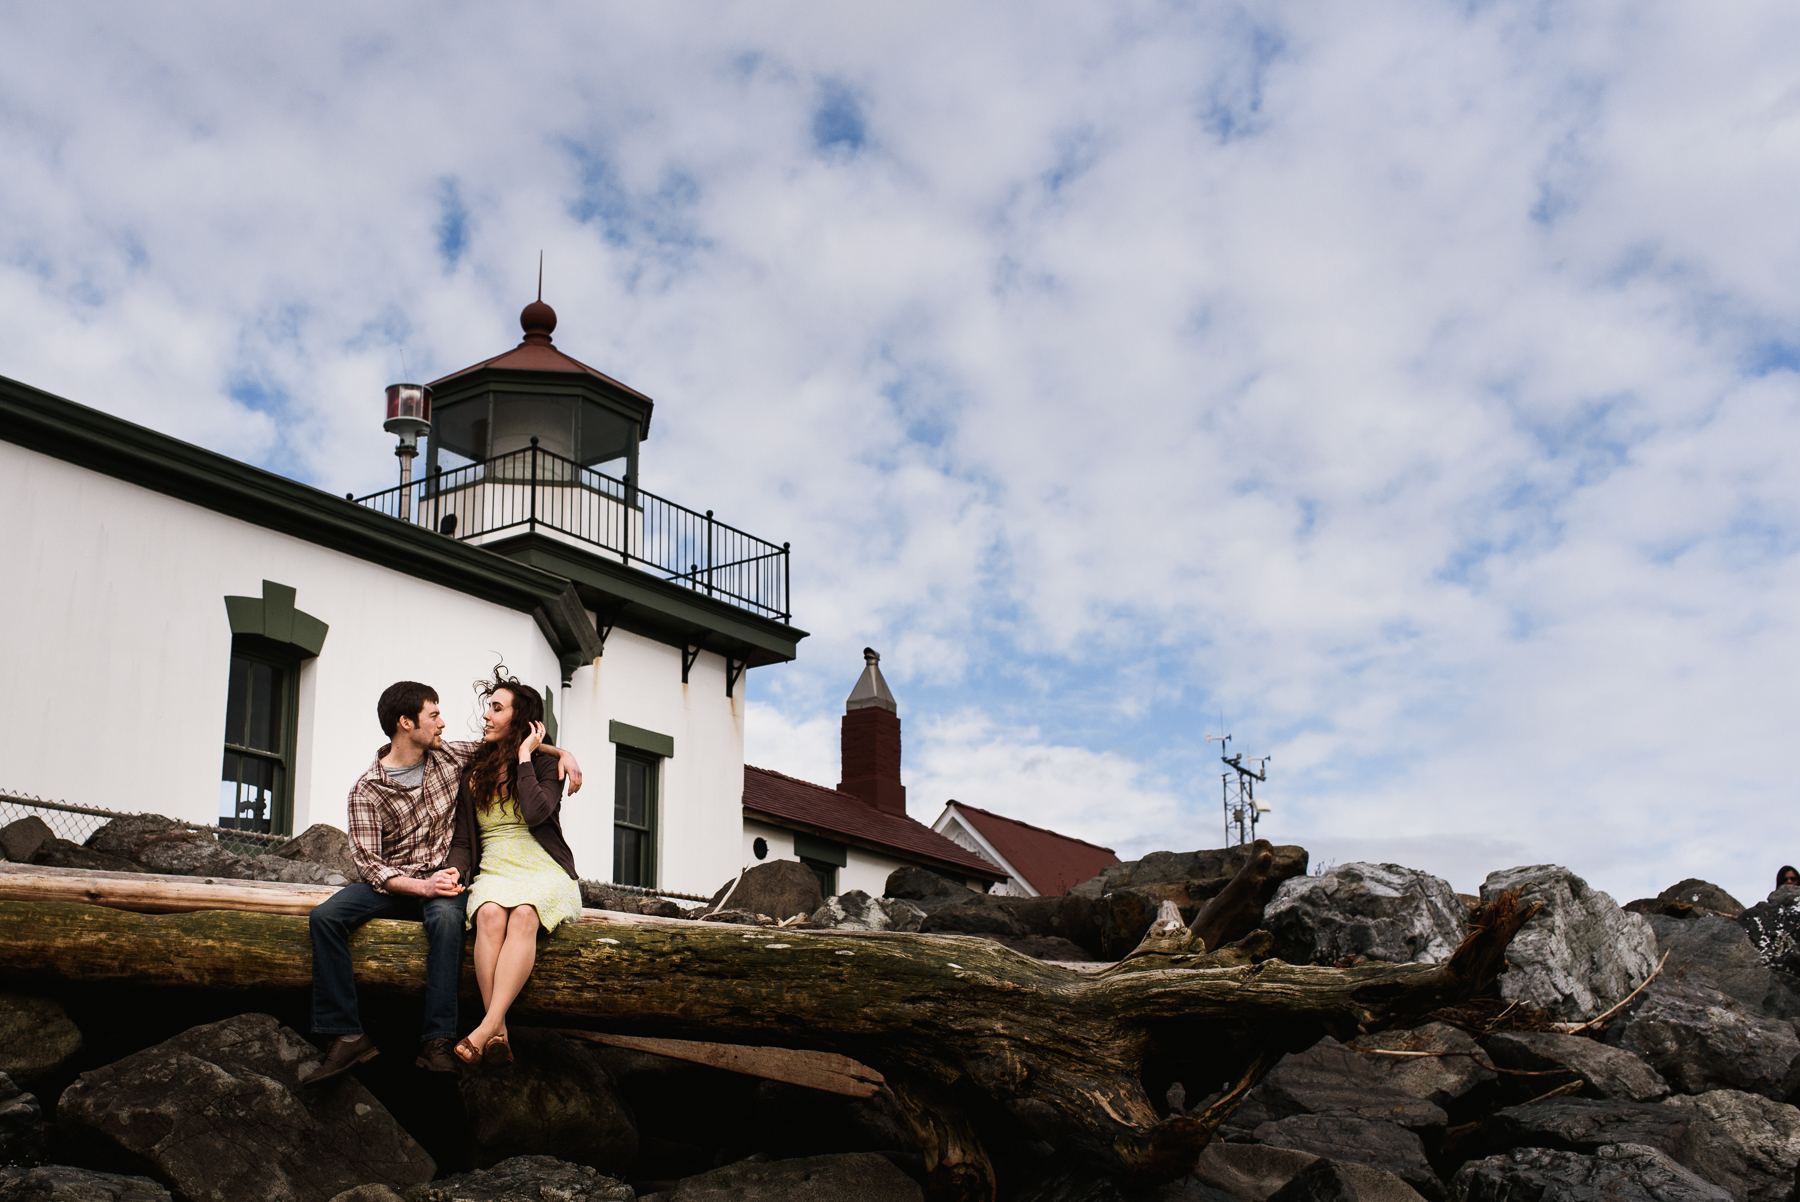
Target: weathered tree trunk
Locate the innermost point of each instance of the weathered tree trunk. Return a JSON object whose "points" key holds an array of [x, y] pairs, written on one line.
{"points": [[972, 1037]]}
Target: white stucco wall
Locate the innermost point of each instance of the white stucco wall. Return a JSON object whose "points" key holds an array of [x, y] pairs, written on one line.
{"points": [[114, 615]]}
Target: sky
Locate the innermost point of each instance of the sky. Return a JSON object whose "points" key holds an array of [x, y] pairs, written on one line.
{"points": [[1410, 390]]}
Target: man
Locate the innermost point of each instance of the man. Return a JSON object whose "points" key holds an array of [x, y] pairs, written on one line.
{"points": [[401, 813]]}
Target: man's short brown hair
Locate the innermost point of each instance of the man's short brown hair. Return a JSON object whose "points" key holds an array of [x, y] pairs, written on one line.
{"points": [[403, 699]]}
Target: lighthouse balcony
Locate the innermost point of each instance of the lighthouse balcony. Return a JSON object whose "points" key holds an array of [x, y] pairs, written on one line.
{"points": [[537, 491]]}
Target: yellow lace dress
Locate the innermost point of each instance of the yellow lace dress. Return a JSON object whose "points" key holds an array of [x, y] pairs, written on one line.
{"points": [[517, 871]]}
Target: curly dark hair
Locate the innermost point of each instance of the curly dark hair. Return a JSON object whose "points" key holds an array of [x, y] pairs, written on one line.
{"points": [[492, 771]]}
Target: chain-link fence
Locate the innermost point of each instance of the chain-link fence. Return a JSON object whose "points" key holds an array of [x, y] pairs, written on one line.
{"points": [[77, 824]]}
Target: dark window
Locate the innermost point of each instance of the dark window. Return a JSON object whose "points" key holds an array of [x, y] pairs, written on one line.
{"points": [[256, 784], [827, 874], [634, 819]]}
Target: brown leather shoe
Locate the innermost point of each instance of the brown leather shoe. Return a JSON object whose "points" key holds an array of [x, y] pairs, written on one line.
{"points": [[435, 1057], [346, 1052]]}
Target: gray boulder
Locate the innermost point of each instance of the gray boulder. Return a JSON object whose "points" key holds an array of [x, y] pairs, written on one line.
{"points": [[925, 889], [218, 1112], [37, 1037], [60, 853], [1047, 947], [272, 867], [21, 1125], [1616, 1173], [1763, 1137], [60, 1183], [863, 1176], [1379, 911], [1580, 955], [973, 917], [1329, 1181], [777, 888], [1331, 1079], [1774, 929], [1586, 1125], [596, 895], [520, 1179], [1171, 867], [1719, 950], [1606, 1072], [162, 844], [1350, 1139], [1703, 895], [857, 911], [20, 840], [324, 845], [1700, 1039], [1443, 1080], [555, 1100]]}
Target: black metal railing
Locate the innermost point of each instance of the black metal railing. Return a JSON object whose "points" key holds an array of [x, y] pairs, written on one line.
{"points": [[533, 489]]}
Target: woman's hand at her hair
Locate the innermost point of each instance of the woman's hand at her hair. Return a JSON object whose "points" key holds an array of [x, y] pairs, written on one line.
{"points": [[530, 742]]}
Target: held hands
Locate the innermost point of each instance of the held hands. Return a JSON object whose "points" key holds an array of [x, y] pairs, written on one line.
{"points": [[530, 742], [445, 882]]}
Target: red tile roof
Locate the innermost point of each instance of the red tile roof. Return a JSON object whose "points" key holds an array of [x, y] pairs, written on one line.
{"points": [[1052, 863], [784, 798], [531, 356]]}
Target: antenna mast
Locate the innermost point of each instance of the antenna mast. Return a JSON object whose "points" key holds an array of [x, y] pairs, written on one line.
{"points": [[1238, 788]]}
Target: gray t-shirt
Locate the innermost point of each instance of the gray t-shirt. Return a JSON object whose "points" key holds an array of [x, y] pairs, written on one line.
{"points": [[411, 777]]}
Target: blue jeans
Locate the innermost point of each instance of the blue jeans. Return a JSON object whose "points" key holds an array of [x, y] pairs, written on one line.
{"points": [[334, 987]]}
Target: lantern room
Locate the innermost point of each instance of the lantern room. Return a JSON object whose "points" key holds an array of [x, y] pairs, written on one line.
{"points": [[536, 395]]}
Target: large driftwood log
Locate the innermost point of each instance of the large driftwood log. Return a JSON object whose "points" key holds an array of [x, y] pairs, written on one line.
{"points": [[972, 1037]]}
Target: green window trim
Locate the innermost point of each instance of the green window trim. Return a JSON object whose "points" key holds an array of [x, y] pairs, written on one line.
{"points": [[272, 616], [825, 851], [636, 737]]}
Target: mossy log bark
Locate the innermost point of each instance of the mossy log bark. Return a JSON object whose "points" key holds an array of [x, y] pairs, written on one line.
{"points": [[976, 1040]]}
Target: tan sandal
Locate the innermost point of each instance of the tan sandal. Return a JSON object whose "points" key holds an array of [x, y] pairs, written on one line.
{"points": [[467, 1052], [498, 1053]]}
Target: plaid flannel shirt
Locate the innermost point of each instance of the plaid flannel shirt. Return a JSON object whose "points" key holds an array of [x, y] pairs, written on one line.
{"points": [[397, 831]]}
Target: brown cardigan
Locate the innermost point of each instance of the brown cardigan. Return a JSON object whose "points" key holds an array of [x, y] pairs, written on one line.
{"points": [[539, 794]]}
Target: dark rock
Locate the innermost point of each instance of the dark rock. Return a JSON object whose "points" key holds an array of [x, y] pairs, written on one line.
{"points": [[369, 1193], [1580, 955], [1702, 895], [743, 918], [218, 1113], [778, 888], [271, 867], [60, 853], [973, 917], [1331, 1079], [598, 896], [20, 840], [37, 1037], [1699, 1039], [1168, 867], [1617, 1173], [1608, 1072], [162, 844], [1719, 950], [1063, 916], [524, 1179], [863, 1176], [1328, 1181], [925, 889], [1046, 947], [324, 845], [1356, 1140], [1444, 1081], [60, 1183], [1255, 1172], [1123, 916], [1762, 1136], [1378, 911], [857, 911], [555, 1100], [21, 1125], [1586, 1125], [1774, 929]]}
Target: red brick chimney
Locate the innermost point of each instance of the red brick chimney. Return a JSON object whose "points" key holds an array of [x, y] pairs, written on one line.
{"points": [[871, 741]]}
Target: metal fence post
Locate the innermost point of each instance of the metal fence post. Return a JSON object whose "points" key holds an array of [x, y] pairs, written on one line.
{"points": [[532, 526]]}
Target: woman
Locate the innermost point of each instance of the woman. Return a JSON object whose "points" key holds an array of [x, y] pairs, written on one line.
{"points": [[509, 839]]}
